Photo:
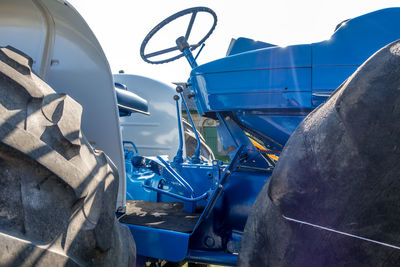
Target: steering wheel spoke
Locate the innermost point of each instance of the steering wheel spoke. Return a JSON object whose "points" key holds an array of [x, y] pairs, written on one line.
{"points": [[193, 11], [189, 28], [164, 51]]}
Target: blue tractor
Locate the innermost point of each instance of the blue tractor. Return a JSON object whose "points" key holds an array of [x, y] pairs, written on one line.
{"points": [[190, 210], [311, 131]]}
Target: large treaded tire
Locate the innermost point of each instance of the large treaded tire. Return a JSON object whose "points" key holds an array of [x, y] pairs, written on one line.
{"points": [[57, 194], [339, 170]]}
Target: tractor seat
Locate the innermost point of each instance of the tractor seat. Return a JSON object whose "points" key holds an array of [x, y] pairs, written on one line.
{"points": [[129, 102]]}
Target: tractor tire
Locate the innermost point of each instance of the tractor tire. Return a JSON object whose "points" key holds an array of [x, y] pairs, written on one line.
{"points": [[333, 198], [57, 193]]}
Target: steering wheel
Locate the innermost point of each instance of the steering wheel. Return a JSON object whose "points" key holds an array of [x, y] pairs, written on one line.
{"points": [[193, 11]]}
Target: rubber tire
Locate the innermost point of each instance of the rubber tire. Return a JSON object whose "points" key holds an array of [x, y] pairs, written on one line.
{"points": [[340, 170], [57, 194]]}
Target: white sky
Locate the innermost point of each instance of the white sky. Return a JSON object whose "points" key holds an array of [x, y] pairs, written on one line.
{"points": [[121, 25]]}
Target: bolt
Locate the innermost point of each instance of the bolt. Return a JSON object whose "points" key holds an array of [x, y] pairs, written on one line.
{"points": [[209, 241]]}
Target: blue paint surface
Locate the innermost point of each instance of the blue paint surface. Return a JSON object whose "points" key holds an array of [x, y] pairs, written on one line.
{"points": [[262, 89], [278, 80]]}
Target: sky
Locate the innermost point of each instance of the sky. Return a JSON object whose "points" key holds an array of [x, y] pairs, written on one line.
{"points": [[121, 25]]}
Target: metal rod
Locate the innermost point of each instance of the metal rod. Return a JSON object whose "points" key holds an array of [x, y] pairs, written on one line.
{"points": [[218, 191], [198, 53], [177, 177], [193, 199], [189, 57], [196, 156], [178, 159], [254, 168]]}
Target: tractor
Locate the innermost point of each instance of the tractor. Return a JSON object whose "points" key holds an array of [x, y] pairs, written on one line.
{"points": [[311, 131]]}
